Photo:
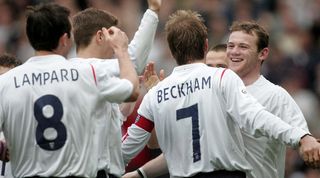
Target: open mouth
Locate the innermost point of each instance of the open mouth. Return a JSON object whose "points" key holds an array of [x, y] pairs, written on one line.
{"points": [[236, 59]]}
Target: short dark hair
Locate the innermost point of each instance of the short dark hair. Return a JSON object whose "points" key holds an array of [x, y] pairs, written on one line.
{"points": [[46, 23], [86, 24], [8, 60], [251, 27], [186, 36], [219, 47]]}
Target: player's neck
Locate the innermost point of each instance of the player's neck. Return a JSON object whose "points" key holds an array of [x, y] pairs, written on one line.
{"points": [[250, 79], [86, 53], [92, 53], [43, 53]]}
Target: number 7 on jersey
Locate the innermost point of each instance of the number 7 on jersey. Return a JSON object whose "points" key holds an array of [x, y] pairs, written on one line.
{"points": [[192, 111]]}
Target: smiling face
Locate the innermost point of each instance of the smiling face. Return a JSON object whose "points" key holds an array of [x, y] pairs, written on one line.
{"points": [[243, 55]]}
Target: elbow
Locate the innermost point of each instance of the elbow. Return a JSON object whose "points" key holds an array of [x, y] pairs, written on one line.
{"points": [[134, 95]]}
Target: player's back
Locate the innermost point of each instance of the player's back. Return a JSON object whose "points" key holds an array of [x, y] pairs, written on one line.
{"points": [[50, 108], [192, 123]]}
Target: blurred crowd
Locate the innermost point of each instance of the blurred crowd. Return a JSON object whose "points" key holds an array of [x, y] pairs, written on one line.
{"points": [[294, 27]]}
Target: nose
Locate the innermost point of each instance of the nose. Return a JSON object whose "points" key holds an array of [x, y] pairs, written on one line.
{"points": [[234, 51]]}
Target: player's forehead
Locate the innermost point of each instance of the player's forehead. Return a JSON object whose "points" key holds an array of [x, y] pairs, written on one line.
{"points": [[242, 38], [217, 59], [216, 56]]}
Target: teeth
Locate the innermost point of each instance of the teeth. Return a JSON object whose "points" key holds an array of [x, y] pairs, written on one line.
{"points": [[236, 60]]}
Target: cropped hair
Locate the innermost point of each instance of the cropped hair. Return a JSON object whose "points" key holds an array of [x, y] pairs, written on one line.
{"points": [[86, 24], [252, 28], [219, 47], [8, 60], [46, 23], [186, 36]]}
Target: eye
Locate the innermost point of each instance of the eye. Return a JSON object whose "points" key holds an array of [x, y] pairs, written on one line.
{"points": [[209, 65], [222, 65], [243, 46], [230, 46]]}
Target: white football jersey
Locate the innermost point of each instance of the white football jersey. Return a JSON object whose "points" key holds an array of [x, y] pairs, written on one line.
{"points": [[49, 112], [198, 112], [266, 156], [139, 49]]}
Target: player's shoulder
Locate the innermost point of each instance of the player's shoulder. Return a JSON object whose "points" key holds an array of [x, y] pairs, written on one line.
{"points": [[96, 62], [274, 89]]}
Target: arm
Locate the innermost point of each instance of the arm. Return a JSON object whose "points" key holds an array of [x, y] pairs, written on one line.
{"points": [[154, 168], [126, 108], [136, 138], [147, 81], [290, 111], [138, 133], [119, 43], [255, 119], [4, 152], [140, 46]]}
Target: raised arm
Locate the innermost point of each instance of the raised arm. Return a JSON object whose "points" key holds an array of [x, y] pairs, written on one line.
{"points": [[140, 46], [119, 43]]}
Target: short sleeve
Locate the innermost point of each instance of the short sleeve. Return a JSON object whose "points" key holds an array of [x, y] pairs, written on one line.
{"points": [[111, 87], [145, 106]]}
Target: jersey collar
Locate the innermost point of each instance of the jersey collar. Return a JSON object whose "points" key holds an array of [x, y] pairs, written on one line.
{"points": [[46, 58]]}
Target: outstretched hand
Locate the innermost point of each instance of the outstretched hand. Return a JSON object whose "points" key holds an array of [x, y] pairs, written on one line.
{"points": [[150, 77], [310, 151]]}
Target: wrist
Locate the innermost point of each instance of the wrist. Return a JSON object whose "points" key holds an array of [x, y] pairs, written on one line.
{"points": [[304, 136], [121, 52], [154, 9], [141, 173]]}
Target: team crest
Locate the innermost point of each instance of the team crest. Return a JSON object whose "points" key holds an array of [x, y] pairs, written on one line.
{"points": [[137, 119]]}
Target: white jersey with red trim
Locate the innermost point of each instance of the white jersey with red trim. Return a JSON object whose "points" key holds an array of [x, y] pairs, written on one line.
{"points": [[139, 49], [49, 111], [198, 112], [266, 156]]}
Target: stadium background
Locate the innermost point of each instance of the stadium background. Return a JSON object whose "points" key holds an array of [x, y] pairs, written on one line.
{"points": [[294, 27]]}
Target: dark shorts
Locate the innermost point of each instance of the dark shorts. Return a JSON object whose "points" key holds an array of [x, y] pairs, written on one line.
{"points": [[221, 174], [100, 174]]}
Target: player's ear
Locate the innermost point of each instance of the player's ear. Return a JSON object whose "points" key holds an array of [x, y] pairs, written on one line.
{"points": [[263, 54], [64, 45], [64, 40], [206, 47], [99, 37]]}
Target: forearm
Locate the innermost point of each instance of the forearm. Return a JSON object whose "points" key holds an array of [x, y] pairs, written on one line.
{"points": [[140, 46], [133, 142], [156, 167], [128, 72], [273, 127], [127, 108]]}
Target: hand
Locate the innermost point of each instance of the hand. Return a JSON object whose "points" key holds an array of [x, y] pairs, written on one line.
{"points": [[310, 151], [150, 76], [133, 174], [117, 39], [4, 151], [155, 5]]}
